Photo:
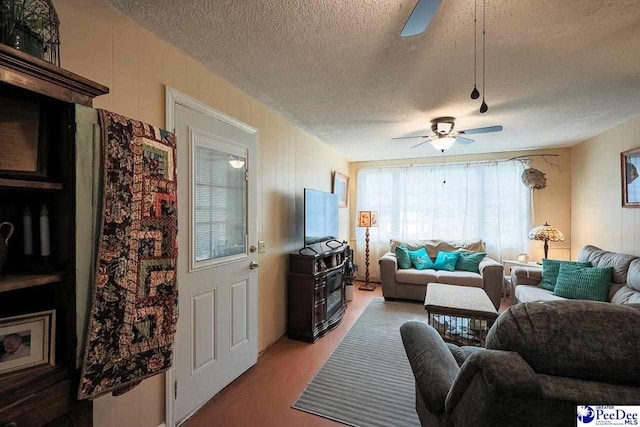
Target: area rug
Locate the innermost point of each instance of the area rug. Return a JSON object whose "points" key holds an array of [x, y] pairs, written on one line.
{"points": [[367, 381], [132, 321]]}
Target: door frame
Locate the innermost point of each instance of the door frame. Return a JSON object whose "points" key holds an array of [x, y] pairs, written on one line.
{"points": [[174, 97]]}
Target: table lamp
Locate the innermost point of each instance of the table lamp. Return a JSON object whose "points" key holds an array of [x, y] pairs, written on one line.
{"points": [[546, 233], [367, 219]]}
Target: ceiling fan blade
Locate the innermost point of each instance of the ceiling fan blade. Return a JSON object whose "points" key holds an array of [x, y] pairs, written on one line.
{"points": [[410, 137], [482, 130], [419, 144], [419, 19], [463, 140]]}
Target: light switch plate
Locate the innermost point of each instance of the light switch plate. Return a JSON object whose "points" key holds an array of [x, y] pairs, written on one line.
{"points": [[262, 247]]}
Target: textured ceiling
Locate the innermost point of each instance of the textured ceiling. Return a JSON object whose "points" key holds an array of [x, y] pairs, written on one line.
{"points": [[558, 71]]}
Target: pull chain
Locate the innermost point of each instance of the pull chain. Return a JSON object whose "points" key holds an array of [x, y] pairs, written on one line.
{"points": [[444, 168]]}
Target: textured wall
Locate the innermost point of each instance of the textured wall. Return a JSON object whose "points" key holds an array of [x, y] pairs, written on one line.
{"points": [[106, 46], [597, 217], [553, 204]]}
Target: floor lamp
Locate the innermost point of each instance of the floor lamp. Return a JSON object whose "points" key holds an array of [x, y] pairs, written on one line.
{"points": [[367, 219]]}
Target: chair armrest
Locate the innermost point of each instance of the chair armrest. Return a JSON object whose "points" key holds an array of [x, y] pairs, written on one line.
{"points": [[388, 267], [433, 365], [504, 373], [493, 277], [462, 353], [525, 276], [388, 260]]}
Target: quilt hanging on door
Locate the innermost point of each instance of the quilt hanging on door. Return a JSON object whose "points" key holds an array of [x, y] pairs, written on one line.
{"points": [[132, 322]]}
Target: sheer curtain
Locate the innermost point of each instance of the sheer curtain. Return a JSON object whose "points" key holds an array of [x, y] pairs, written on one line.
{"points": [[484, 200]]}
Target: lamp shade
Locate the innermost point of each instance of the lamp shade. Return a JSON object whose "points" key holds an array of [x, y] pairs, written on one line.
{"points": [[367, 219], [546, 232]]}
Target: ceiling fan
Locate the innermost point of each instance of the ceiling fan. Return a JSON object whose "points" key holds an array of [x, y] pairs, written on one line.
{"points": [[420, 17], [444, 136]]}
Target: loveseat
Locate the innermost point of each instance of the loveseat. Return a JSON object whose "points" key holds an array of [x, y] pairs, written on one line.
{"points": [[541, 361], [411, 284], [624, 288]]}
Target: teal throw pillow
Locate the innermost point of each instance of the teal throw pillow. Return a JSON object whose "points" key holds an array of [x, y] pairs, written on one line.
{"points": [[446, 261], [550, 270], [586, 283], [402, 255], [420, 259], [469, 261]]}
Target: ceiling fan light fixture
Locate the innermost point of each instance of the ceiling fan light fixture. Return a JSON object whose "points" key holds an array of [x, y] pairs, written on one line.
{"points": [[443, 144], [444, 128]]}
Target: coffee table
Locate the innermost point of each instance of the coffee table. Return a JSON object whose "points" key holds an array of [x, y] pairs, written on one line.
{"points": [[461, 314]]}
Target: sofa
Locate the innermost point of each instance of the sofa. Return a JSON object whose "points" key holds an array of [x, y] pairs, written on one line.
{"points": [[624, 288], [541, 361], [411, 284]]}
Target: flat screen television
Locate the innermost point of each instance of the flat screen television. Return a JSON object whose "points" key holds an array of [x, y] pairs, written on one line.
{"points": [[320, 216]]}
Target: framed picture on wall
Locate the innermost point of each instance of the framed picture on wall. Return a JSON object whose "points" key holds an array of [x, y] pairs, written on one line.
{"points": [[27, 341], [341, 188], [630, 166]]}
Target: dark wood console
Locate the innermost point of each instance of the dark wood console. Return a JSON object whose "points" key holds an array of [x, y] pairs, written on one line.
{"points": [[316, 299]]}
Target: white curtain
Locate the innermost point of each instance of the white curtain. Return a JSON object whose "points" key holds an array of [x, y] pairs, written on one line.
{"points": [[484, 200]]}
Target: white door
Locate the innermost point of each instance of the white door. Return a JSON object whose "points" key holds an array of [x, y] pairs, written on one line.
{"points": [[217, 261]]}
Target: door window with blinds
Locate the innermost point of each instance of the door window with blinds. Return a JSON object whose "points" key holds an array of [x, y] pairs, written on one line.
{"points": [[218, 200]]}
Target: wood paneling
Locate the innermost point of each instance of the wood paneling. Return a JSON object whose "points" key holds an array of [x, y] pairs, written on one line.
{"points": [[597, 216], [102, 44]]}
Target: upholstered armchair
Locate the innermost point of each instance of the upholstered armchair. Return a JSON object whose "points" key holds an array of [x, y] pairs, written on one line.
{"points": [[541, 360]]}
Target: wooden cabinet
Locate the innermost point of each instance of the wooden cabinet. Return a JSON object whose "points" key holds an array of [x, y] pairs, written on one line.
{"points": [[46, 394], [315, 298]]}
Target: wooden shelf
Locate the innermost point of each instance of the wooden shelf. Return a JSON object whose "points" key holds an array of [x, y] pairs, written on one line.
{"points": [[33, 185], [20, 281], [16, 387], [20, 69]]}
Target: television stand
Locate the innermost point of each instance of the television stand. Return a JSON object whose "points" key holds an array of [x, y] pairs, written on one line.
{"points": [[316, 293], [340, 244]]}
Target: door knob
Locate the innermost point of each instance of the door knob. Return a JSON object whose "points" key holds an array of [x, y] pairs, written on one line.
{"points": [[253, 265]]}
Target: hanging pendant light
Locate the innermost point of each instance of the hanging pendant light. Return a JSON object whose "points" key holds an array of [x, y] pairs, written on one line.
{"points": [[475, 94], [484, 107]]}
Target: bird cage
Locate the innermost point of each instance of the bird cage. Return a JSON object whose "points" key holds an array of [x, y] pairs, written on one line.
{"points": [[31, 26]]}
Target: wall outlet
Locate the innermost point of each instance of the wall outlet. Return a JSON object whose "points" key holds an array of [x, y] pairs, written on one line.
{"points": [[262, 247]]}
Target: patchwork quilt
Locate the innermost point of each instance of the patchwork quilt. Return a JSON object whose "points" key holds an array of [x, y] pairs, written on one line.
{"points": [[133, 316]]}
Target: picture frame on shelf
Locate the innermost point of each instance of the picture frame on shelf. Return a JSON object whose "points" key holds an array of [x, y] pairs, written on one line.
{"points": [[22, 139], [341, 188], [27, 340], [630, 174]]}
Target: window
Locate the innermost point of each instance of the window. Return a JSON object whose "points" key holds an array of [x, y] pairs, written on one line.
{"points": [[220, 203], [479, 200]]}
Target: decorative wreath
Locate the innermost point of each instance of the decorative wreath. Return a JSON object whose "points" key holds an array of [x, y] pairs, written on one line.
{"points": [[534, 179]]}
